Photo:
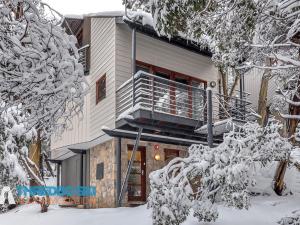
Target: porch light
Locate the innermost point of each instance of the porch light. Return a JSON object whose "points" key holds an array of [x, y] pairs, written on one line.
{"points": [[157, 157], [212, 84]]}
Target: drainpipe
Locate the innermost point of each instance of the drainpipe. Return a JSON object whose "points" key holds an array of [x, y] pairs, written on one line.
{"points": [[133, 55], [133, 63]]}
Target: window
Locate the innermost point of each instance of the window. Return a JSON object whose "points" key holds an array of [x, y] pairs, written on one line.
{"points": [[101, 89], [171, 154]]}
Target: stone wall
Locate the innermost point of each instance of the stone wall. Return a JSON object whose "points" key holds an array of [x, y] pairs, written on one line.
{"points": [[105, 152], [151, 163], [105, 188]]}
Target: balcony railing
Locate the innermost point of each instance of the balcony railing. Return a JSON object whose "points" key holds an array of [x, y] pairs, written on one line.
{"points": [[161, 95], [156, 94], [83, 57], [234, 106]]}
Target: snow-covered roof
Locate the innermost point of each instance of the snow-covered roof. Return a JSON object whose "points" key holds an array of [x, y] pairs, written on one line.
{"points": [[143, 21], [98, 14]]}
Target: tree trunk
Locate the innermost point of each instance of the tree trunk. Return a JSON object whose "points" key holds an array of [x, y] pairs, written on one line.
{"points": [[291, 129], [263, 95], [35, 156]]}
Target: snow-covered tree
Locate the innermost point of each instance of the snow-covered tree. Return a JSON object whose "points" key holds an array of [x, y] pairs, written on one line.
{"points": [[39, 65], [293, 219], [42, 84], [242, 35], [213, 175], [14, 141]]}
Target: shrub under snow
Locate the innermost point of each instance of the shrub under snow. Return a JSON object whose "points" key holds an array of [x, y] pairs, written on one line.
{"points": [[209, 175], [14, 139]]}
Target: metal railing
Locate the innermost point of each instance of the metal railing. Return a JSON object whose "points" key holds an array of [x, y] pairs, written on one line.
{"points": [[158, 94], [83, 56], [234, 106], [161, 95]]}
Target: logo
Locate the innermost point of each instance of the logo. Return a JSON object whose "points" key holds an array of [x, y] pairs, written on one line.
{"points": [[7, 194]]}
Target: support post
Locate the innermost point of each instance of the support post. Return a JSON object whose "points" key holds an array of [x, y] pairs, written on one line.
{"points": [[133, 63], [209, 118], [118, 162], [125, 182], [58, 173], [81, 175]]}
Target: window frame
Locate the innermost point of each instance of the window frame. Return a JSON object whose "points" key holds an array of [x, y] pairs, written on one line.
{"points": [[99, 97], [170, 152]]}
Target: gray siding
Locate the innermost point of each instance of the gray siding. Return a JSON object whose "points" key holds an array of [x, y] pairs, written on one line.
{"points": [[159, 53]]}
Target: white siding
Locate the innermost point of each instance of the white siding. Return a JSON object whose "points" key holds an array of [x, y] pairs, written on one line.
{"points": [[88, 127], [111, 55], [102, 62], [159, 53], [252, 85]]}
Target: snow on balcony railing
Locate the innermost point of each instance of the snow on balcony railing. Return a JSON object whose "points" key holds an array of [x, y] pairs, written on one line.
{"points": [[157, 94], [83, 52], [161, 95]]}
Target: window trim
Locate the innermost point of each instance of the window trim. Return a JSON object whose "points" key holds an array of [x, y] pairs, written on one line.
{"points": [[99, 98], [168, 152], [172, 74]]}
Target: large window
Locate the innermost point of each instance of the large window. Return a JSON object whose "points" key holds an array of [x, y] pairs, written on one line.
{"points": [[181, 98], [101, 89]]}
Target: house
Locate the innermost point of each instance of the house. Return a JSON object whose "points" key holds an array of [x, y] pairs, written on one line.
{"points": [[166, 102]]}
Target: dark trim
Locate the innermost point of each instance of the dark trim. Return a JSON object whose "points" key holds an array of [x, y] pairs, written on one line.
{"points": [[157, 138], [119, 172], [78, 151], [178, 41]]}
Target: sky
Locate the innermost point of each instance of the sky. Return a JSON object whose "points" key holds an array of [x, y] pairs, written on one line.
{"points": [[67, 7]]}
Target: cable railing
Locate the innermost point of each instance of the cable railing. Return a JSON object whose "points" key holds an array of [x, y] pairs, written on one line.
{"points": [[233, 106]]}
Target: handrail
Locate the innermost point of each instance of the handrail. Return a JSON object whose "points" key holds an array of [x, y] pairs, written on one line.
{"points": [[161, 95]]}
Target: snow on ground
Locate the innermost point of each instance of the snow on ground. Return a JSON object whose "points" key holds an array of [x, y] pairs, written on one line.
{"points": [[264, 211]]}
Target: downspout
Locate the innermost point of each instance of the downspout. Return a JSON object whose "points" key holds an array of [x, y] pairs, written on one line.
{"points": [[133, 63], [133, 55]]}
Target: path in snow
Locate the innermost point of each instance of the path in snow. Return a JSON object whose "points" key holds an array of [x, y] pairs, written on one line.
{"points": [[264, 211]]}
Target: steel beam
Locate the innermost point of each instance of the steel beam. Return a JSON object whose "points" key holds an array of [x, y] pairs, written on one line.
{"points": [[209, 118], [125, 182]]}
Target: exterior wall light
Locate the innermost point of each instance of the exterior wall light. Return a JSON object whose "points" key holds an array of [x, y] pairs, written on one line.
{"points": [[157, 157], [212, 84]]}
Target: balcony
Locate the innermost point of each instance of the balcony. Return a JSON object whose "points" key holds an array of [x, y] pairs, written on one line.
{"points": [[83, 58], [163, 106]]}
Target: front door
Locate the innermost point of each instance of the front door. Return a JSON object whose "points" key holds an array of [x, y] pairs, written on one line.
{"points": [[137, 176]]}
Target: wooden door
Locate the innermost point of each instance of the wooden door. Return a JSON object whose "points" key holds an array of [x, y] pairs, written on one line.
{"points": [[137, 176]]}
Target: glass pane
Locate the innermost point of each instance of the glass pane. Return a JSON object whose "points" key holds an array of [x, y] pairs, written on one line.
{"points": [[162, 92], [134, 179], [198, 100], [182, 100]]}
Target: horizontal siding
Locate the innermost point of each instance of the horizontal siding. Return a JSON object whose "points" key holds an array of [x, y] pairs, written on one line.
{"points": [[252, 85], [160, 54], [88, 126], [102, 62]]}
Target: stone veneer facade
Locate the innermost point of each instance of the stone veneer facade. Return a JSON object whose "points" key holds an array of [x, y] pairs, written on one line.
{"points": [[105, 188], [105, 152]]}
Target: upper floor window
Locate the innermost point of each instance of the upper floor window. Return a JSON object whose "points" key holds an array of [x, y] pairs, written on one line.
{"points": [[101, 89]]}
